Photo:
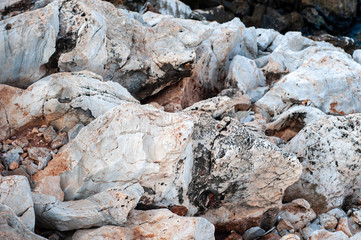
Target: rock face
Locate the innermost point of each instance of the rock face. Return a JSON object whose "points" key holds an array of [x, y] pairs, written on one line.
{"points": [[21, 64], [11, 227], [129, 144], [15, 193], [109, 207], [62, 99], [321, 76], [153, 224], [326, 183], [234, 168]]}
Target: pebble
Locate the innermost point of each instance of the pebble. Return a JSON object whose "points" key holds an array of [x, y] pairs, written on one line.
{"points": [[9, 157], [254, 233], [35, 130], [21, 142], [328, 221]]}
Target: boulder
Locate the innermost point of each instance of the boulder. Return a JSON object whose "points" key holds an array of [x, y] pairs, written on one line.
{"points": [[153, 224], [27, 43], [110, 207], [11, 227], [326, 183], [62, 99], [130, 143]]}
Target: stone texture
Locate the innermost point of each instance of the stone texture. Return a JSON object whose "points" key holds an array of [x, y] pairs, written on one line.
{"points": [[15, 193], [49, 134], [41, 155], [11, 227], [130, 143], [357, 56], [343, 226], [326, 183], [326, 235], [153, 224], [298, 213], [321, 76], [62, 99], [50, 185], [175, 8], [27, 43], [244, 74], [328, 221], [110, 207], [60, 140], [265, 38], [290, 237], [254, 233]]}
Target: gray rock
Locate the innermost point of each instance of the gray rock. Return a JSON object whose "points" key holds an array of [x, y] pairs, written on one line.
{"points": [[257, 93], [40, 154], [27, 43], [337, 212], [74, 131], [10, 157], [310, 228], [15, 193], [49, 134], [110, 207], [60, 140], [326, 235], [11, 227], [254, 233], [22, 142]]}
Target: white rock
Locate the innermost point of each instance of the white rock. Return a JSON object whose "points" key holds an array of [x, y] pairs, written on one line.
{"points": [[265, 38], [326, 235], [330, 154], [27, 42], [63, 99], [290, 237], [155, 224], [357, 236], [299, 213], [327, 79], [338, 213], [328, 221], [244, 74], [15, 193], [11, 227], [130, 143], [110, 207], [357, 56], [175, 8], [50, 185]]}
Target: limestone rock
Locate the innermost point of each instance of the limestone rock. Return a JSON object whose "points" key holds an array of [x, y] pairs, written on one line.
{"points": [[343, 226], [357, 56], [63, 99], [175, 8], [328, 221], [326, 235], [356, 236], [109, 207], [244, 74], [50, 185], [265, 38], [41, 155], [11, 227], [15, 193], [27, 43], [154, 224], [298, 213], [326, 183], [130, 143]]}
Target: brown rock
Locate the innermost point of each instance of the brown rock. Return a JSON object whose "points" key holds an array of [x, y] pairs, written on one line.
{"points": [[234, 236], [1, 167], [14, 165], [298, 213], [343, 226], [21, 142], [179, 210], [284, 225], [49, 134], [271, 236]]}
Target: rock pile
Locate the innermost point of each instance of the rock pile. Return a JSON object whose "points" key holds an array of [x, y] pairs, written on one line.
{"points": [[123, 125]]}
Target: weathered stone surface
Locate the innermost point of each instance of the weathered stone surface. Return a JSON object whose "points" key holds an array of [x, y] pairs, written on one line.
{"points": [[63, 99], [244, 74], [326, 183], [311, 228], [110, 207], [11, 227], [321, 76], [27, 43], [328, 221], [290, 237], [41, 155], [298, 213], [357, 56], [129, 144], [326, 235], [235, 170], [175, 8], [50, 185], [15, 193], [153, 224], [254, 233], [60, 140], [49, 134], [343, 226], [265, 38]]}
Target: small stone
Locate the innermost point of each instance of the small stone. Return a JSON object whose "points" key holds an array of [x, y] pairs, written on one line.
{"points": [[234, 236], [8, 141], [13, 166], [42, 155], [328, 221], [310, 228], [6, 147], [59, 141], [254, 233], [39, 134], [49, 134], [271, 236], [10, 157], [19, 171], [290, 237], [284, 225], [21, 142], [43, 128], [337, 212], [24, 155], [343, 226], [179, 210], [35, 130], [75, 130], [30, 167], [284, 232], [357, 217]]}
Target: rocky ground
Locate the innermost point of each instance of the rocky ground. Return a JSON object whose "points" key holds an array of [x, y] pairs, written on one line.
{"points": [[160, 124]]}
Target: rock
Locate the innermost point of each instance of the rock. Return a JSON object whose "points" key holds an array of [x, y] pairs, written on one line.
{"points": [[62, 99], [311, 15], [11, 227], [284, 225], [18, 171], [338, 213], [40, 154], [15, 193], [49, 134], [175, 8], [328, 221], [343, 226], [244, 74], [308, 62], [271, 236], [21, 142], [127, 144], [326, 183], [30, 167], [265, 38], [179, 210], [326, 235], [109, 207], [289, 123], [257, 93], [357, 56], [311, 228], [234, 236], [10, 157], [50, 185], [357, 216], [74, 131], [232, 168], [356, 236], [290, 237], [298, 213], [60, 140], [156, 224], [254, 233], [27, 43], [346, 43], [217, 14]]}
